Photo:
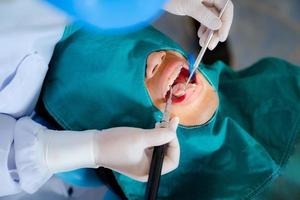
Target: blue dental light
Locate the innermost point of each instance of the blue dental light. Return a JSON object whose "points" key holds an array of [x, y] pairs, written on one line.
{"points": [[112, 15]]}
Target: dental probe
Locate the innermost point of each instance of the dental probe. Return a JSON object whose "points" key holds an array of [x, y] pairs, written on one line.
{"points": [[203, 50], [158, 157]]}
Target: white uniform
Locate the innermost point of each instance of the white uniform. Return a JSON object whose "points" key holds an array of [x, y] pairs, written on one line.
{"points": [[29, 31]]}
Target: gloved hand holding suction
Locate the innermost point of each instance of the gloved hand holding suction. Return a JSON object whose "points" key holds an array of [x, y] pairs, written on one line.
{"points": [[126, 150], [129, 150]]}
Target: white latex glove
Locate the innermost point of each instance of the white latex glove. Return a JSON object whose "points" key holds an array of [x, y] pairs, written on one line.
{"points": [[206, 12], [129, 150], [125, 150]]}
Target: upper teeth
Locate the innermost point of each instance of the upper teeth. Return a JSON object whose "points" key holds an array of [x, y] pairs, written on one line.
{"points": [[172, 78]]}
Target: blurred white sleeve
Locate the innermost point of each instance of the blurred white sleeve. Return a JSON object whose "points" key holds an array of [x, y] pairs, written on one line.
{"points": [[22, 166], [29, 31], [7, 168]]}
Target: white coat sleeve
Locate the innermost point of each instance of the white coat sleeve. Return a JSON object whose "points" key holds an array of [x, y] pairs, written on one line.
{"points": [[29, 31], [22, 166], [27, 41], [8, 179]]}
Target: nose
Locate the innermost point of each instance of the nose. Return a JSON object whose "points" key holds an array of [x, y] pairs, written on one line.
{"points": [[154, 61]]}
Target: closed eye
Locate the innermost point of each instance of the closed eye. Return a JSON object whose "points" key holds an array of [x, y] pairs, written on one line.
{"points": [[154, 70], [154, 62]]}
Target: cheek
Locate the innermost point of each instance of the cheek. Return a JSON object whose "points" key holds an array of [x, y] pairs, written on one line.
{"points": [[199, 111]]}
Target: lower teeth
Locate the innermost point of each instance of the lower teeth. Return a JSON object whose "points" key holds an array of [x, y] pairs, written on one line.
{"points": [[178, 90]]}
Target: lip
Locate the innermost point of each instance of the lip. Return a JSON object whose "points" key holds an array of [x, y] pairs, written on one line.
{"points": [[191, 93], [192, 90]]}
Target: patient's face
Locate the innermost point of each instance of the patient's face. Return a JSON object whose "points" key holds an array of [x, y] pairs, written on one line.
{"points": [[165, 68]]}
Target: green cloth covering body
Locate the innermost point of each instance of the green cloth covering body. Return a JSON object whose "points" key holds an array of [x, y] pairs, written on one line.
{"points": [[97, 81]]}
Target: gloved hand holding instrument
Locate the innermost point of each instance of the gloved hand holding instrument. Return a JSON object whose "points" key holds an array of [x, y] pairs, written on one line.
{"points": [[206, 13], [124, 149]]}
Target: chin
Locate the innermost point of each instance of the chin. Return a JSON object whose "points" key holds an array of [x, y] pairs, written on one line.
{"points": [[193, 115]]}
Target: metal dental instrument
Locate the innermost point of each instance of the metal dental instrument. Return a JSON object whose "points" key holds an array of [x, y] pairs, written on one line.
{"points": [[158, 157], [204, 48]]}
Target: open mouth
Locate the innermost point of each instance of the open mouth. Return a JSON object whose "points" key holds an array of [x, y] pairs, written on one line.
{"points": [[177, 83]]}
